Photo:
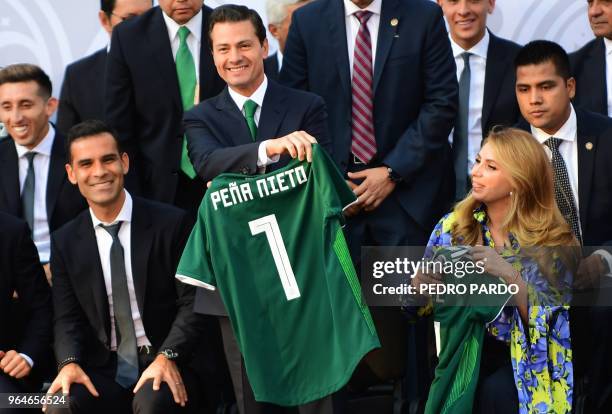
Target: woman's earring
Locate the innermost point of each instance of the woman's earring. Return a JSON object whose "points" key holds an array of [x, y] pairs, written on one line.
{"points": [[510, 193]]}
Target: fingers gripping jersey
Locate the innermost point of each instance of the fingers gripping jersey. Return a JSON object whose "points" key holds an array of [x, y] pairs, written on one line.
{"points": [[273, 246]]}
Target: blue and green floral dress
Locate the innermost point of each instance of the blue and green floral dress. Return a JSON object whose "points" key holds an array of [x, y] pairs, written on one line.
{"points": [[541, 354]]}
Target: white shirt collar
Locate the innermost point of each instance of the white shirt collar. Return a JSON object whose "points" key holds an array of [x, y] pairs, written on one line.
{"points": [[257, 96], [608, 44], [44, 147], [567, 132], [350, 7], [124, 215], [279, 58], [479, 49], [194, 25]]}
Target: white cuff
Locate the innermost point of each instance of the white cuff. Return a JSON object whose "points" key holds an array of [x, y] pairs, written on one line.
{"points": [[28, 359], [194, 282], [262, 155]]}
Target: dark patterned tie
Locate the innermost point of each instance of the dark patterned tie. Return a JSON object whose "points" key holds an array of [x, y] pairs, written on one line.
{"points": [[460, 137], [363, 144], [27, 194], [563, 189], [127, 353]]}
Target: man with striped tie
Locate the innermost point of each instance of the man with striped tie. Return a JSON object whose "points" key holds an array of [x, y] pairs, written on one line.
{"points": [[386, 72]]}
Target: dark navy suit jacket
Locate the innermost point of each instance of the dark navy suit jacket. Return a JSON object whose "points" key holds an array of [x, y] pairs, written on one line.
{"points": [[589, 69], [414, 87], [143, 101]]}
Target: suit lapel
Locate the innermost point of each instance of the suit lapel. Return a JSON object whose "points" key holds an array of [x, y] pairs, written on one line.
{"points": [[162, 51], [57, 174], [86, 248], [206, 63], [272, 112], [334, 14], [141, 238], [598, 54], [386, 34], [495, 67], [235, 119], [586, 163], [9, 177]]}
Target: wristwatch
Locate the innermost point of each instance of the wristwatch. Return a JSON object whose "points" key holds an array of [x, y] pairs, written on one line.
{"points": [[393, 176], [169, 353]]}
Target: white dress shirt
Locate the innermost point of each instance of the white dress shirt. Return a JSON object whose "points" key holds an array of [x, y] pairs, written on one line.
{"points": [[608, 44], [105, 241], [568, 134], [352, 25], [40, 232], [193, 40], [478, 66], [258, 98], [568, 149]]}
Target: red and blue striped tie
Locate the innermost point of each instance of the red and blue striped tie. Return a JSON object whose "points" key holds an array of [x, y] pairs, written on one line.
{"points": [[363, 145]]}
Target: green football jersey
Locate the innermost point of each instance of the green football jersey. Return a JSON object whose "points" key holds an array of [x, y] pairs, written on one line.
{"points": [[273, 246], [463, 319]]}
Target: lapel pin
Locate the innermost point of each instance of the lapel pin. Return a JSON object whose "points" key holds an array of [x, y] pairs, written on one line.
{"points": [[588, 146], [394, 22]]}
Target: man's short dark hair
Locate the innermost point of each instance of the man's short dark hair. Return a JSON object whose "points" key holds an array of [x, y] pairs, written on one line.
{"points": [[87, 129], [107, 6], [233, 13], [25, 72], [543, 51]]}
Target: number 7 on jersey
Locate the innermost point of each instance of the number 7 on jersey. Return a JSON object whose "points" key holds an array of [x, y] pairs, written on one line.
{"points": [[269, 225]]}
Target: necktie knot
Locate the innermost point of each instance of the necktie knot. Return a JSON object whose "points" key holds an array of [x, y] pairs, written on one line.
{"points": [[30, 157], [553, 143], [466, 58], [183, 32], [113, 229], [249, 108], [363, 16]]}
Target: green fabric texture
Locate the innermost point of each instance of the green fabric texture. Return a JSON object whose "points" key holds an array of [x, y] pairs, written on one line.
{"points": [[463, 320], [249, 113], [273, 246], [187, 79]]}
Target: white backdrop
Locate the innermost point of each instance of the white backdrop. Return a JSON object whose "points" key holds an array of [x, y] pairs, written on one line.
{"points": [[53, 33]]}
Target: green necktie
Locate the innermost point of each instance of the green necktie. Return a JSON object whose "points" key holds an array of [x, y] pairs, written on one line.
{"points": [[249, 113], [185, 70]]}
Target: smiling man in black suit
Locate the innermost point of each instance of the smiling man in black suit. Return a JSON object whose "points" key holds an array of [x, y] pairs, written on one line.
{"points": [[486, 81], [33, 179], [124, 328]]}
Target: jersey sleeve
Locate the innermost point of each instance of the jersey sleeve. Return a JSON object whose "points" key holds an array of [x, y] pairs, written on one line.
{"points": [[330, 182], [195, 267]]}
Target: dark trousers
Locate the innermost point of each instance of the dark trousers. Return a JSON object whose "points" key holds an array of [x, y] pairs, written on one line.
{"points": [[496, 393], [189, 194], [115, 399], [245, 399], [10, 385], [388, 225]]}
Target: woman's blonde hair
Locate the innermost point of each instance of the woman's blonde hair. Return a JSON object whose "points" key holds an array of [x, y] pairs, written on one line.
{"points": [[533, 217]]}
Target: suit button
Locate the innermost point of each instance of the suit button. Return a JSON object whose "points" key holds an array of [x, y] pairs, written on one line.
{"points": [[245, 170]]}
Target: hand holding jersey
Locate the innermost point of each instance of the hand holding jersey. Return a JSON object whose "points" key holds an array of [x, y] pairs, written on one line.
{"points": [[298, 145], [285, 276]]}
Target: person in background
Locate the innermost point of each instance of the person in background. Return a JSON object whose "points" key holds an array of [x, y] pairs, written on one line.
{"points": [[279, 14], [486, 82], [82, 95]]}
